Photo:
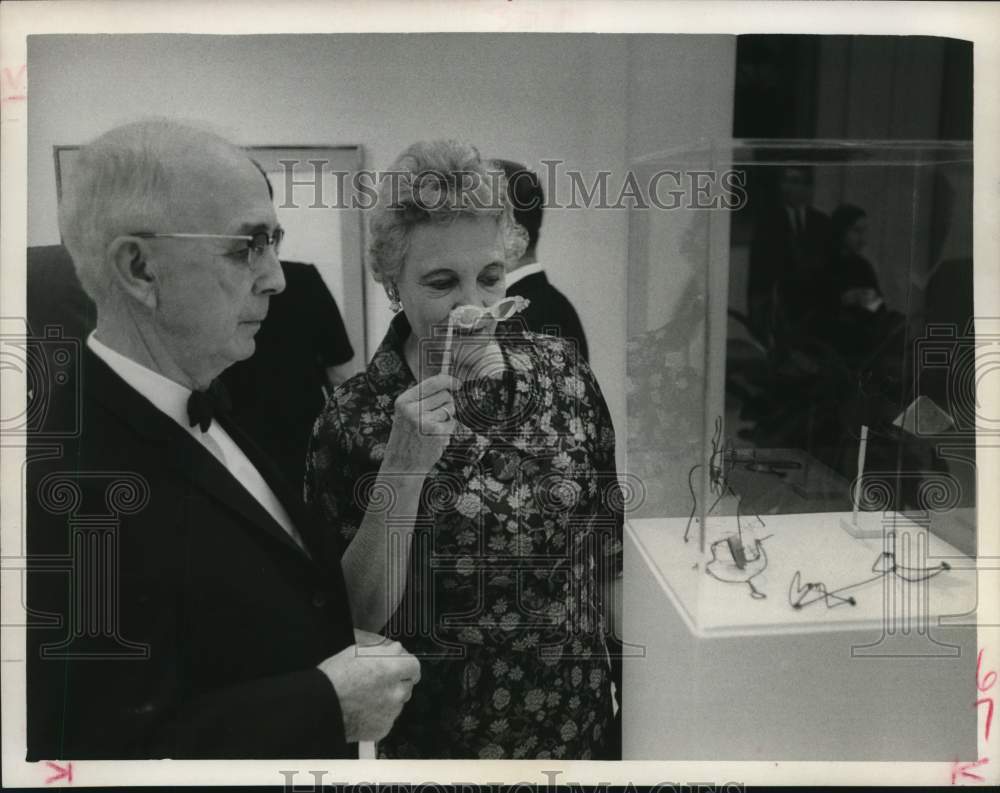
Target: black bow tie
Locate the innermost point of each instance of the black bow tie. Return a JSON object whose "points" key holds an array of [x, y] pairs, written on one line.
{"points": [[203, 406]]}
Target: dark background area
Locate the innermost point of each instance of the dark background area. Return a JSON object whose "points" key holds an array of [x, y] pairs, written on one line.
{"points": [[791, 86]]}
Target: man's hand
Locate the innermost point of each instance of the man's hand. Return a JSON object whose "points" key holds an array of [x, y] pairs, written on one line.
{"points": [[364, 639], [373, 679]]}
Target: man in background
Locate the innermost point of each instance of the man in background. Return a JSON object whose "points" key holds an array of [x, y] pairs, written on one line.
{"points": [[301, 350], [549, 311], [790, 247]]}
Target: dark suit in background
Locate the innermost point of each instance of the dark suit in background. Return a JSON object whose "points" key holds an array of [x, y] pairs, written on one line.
{"points": [[277, 393], [220, 617], [789, 258], [54, 296], [550, 311], [790, 247]]}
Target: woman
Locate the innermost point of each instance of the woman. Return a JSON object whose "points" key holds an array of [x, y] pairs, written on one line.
{"points": [[478, 508], [854, 281], [869, 337]]}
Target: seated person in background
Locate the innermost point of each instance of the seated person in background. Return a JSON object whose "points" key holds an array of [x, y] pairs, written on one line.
{"points": [[852, 276], [862, 328], [835, 342], [550, 311], [278, 392]]}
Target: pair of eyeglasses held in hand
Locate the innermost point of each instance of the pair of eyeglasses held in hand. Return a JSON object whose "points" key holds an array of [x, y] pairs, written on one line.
{"points": [[468, 317], [257, 243]]}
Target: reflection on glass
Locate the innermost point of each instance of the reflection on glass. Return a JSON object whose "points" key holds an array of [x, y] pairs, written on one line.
{"points": [[848, 268]]}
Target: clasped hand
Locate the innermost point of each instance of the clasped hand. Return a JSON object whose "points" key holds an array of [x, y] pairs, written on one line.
{"points": [[374, 679]]}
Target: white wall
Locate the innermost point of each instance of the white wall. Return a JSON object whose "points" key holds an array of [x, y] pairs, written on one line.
{"points": [[523, 97]]}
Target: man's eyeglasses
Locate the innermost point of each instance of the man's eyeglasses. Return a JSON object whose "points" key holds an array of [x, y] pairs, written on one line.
{"points": [[257, 243]]}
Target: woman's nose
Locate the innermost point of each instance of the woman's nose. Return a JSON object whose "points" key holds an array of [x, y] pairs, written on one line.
{"points": [[469, 296]]}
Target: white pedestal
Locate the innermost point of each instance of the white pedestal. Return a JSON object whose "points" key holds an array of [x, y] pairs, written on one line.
{"points": [[725, 676]]}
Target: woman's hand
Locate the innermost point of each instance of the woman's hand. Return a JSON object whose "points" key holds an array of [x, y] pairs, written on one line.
{"points": [[478, 359], [423, 422]]}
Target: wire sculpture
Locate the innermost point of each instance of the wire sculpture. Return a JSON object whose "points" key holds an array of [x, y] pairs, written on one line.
{"points": [[885, 565], [720, 463], [736, 572], [736, 566]]}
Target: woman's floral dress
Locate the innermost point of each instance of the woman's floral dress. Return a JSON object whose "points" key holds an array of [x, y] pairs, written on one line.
{"points": [[519, 524]]}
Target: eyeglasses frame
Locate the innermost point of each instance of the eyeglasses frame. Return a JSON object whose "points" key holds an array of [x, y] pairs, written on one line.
{"points": [[274, 239], [490, 312]]}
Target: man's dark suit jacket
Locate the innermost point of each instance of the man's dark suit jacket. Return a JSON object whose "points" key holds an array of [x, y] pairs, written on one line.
{"points": [[778, 255], [169, 614], [550, 311]]}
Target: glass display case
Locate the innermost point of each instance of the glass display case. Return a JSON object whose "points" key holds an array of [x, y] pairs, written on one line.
{"points": [[783, 295], [801, 412]]}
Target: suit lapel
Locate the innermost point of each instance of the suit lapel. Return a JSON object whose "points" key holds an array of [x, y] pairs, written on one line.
{"points": [[182, 453], [290, 500]]}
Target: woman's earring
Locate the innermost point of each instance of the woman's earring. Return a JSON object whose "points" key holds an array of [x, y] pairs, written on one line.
{"points": [[394, 303]]}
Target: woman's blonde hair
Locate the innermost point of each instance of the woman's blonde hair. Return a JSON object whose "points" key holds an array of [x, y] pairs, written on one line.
{"points": [[436, 182]]}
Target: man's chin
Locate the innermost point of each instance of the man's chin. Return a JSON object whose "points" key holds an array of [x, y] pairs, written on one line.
{"points": [[245, 349]]}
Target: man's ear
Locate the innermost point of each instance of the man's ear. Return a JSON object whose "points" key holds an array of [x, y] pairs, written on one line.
{"points": [[132, 269]]}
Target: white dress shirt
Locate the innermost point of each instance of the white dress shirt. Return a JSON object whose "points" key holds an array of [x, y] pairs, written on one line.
{"points": [[171, 398], [522, 272]]}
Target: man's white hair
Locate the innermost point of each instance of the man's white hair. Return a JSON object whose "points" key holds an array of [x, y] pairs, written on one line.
{"points": [[122, 183]]}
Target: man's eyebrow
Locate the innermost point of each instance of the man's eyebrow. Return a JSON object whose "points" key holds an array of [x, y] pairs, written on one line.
{"points": [[248, 229]]}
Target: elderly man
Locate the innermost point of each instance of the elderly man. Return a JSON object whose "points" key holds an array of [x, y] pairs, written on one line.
{"points": [[181, 603]]}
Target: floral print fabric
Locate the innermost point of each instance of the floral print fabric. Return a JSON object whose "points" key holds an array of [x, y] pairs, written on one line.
{"points": [[519, 524]]}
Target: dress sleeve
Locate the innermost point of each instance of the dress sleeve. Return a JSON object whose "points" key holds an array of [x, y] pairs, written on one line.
{"points": [[611, 495], [331, 475]]}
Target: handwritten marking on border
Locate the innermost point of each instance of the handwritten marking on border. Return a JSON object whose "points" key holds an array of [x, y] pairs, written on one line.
{"points": [[13, 87], [984, 682], [62, 772]]}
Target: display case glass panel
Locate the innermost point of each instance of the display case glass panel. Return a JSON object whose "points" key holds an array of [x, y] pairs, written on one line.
{"points": [[800, 312], [781, 297]]}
